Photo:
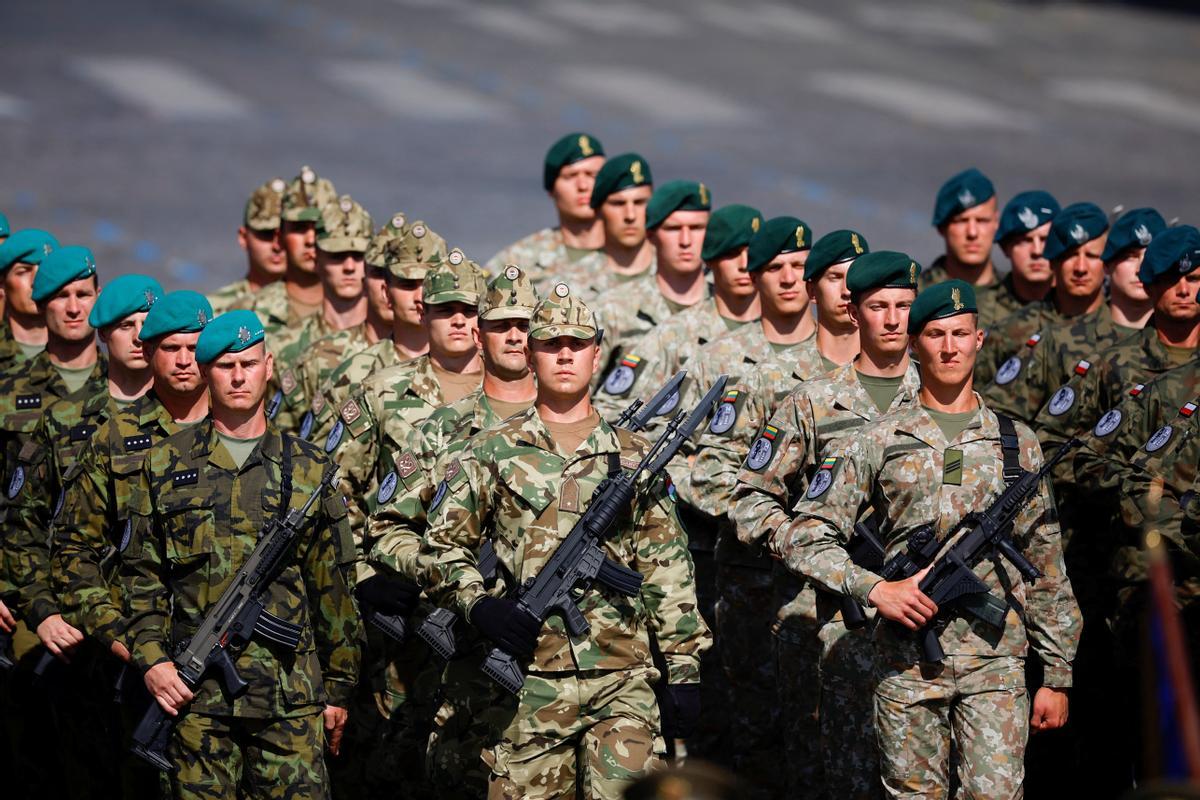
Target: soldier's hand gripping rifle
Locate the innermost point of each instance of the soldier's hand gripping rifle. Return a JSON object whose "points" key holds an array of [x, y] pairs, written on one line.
{"points": [[437, 629], [580, 560], [226, 629]]}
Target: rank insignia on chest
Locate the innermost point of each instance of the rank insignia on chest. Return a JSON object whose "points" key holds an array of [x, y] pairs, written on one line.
{"points": [[952, 467], [25, 401], [726, 414], [140, 442], [187, 477], [81, 432]]}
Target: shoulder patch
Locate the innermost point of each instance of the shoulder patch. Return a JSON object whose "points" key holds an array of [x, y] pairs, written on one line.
{"points": [[763, 449], [142, 441], [387, 488], [335, 436], [187, 477], [726, 414], [17, 481], [822, 480], [287, 381], [439, 496], [273, 406], [350, 411], [1008, 371], [126, 535], [1062, 401], [406, 464], [1160, 438], [1108, 423], [622, 377], [306, 425], [453, 470]]}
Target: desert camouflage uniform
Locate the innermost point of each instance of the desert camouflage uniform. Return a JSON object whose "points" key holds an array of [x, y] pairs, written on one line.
{"points": [[976, 698], [195, 517], [627, 313], [1007, 336], [587, 700], [346, 379], [544, 255], [300, 365], [818, 415]]}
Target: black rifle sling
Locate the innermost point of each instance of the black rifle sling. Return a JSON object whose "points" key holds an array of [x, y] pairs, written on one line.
{"points": [[285, 480], [1010, 449]]}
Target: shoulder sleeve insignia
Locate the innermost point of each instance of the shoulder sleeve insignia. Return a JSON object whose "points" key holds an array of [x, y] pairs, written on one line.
{"points": [[335, 436], [350, 411], [273, 406], [453, 470], [406, 464], [318, 403], [763, 449], [16, 482], [287, 381]]}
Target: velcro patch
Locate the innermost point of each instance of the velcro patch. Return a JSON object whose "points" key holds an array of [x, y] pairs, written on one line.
{"points": [[952, 467], [187, 477], [350, 411], [406, 464], [140, 442], [81, 432], [287, 381], [25, 401]]}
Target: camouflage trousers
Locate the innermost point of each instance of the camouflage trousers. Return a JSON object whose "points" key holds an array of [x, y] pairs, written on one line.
{"points": [[976, 704], [595, 732], [797, 688], [466, 722], [849, 754], [224, 757], [709, 740]]}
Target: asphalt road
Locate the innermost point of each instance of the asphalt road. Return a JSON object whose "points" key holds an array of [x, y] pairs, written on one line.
{"points": [[139, 127]]}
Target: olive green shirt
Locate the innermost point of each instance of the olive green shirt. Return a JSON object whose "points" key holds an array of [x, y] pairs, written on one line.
{"points": [[882, 391]]}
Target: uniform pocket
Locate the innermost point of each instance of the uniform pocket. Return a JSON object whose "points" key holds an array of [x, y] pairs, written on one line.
{"points": [[189, 527]]}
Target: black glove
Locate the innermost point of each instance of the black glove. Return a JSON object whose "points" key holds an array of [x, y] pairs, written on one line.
{"points": [[390, 595], [680, 709], [506, 624]]}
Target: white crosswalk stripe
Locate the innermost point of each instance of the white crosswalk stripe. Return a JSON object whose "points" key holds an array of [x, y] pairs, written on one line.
{"points": [[624, 18], [659, 98], [1146, 102], [771, 22], [515, 25], [163, 89], [404, 92], [924, 103]]}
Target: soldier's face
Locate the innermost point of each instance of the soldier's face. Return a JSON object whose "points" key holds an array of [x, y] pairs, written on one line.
{"points": [[173, 362], [377, 295], [452, 328], [1176, 301], [946, 350], [969, 234], [572, 190], [730, 275], [264, 249], [341, 274], [404, 296], [503, 342], [300, 245], [18, 289], [1081, 272], [781, 284], [624, 215], [237, 382], [679, 240], [1123, 275], [124, 342], [67, 311], [832, 297], [564, 366], [882, 318], [1024, 251]]}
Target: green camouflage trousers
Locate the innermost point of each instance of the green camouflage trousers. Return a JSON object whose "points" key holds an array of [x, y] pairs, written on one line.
{"points": [[849, 754], [224, 757], [599, 730], [473, 709], [978, 703]]}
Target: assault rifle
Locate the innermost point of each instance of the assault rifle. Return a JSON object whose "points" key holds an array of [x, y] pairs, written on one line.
{"points": [[580, 560], [226, 629]]}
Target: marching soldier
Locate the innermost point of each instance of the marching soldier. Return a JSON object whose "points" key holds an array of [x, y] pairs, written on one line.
{"points": [[1024, 226], [966, 216], [259, 236], [25, 329]]}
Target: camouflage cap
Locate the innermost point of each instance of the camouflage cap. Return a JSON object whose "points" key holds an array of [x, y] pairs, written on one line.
{"points": [[408, 254], [946, 299], [453, 279], [122, 296], [306, 197], [562, 314], [183, 311], [231, 332], [345, 226], [263, 208], [64, 265], [26, 246], [567, 150], [509, 295]]}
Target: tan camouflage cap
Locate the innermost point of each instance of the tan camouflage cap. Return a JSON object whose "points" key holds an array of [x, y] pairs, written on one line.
{"points": [[263, 207], [344, 226], [510, 295], [454, 279], [307, 196], [409, 255], [562, 314]]}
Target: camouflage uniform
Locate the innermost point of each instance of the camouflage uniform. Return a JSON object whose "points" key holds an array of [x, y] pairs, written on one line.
{"points": [[1006, 337], [582, 702], [997, 300], [627, 313], [591, 277], [273, 306], [261, 214], [345, 380], [976, 698], [543, 255], [936, 272], [818, 415], [193, 506], [231, 295]]}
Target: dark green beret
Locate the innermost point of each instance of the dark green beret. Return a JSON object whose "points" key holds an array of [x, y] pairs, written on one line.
{"points": [[122, 296], [1074, 226], [1174, 252], [729, 228], [965, 190], [567, 150], [231, 332], [779, 235], [184, 311], [620, 172], [1026, 211], [879, 270], [26, 246], [946, 299], [62, 266], [1137, 227], [675, 196], [834, 248], [4, 229]]}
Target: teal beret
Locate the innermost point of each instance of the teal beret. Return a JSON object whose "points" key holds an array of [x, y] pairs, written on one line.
{"points": [[879, 270], [620, 172], [122, 296], [62, 266], [834, 248], [567, 150], [946, 299], [231, 332], [1174, 252], [965, 190], [1137, 227], [4, 229], [28, 246], [729, 228], [1026, 211], [675, 196], [184, 311], [779, 235], [1074, 226]]}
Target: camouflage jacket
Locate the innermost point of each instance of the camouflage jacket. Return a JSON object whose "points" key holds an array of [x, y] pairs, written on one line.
{"points": [[627, 313], [897, 467], [1010, 334], [11, 354], [231, 295], [517, 488], [274, 309], [343, 381], [542, 255], [195, 518], [89, 530], [996, 301], [591, 276], [936, 272], [300, 360]]}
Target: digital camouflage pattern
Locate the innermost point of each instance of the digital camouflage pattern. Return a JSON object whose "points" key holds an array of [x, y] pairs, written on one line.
{"points": [[627, 313], [591, 276], [544, 256]]}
